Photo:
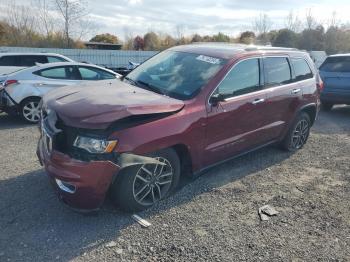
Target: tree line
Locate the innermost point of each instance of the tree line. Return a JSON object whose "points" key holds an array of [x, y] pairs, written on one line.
{"points": [[64, 23]]}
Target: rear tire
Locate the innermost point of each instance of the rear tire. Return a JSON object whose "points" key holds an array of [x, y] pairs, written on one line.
{"points": [[326, 106], [139, 187], [298, 133], [30, 110]]}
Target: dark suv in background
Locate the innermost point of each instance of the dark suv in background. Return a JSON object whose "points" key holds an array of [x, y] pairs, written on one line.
{"points": [[335, 72], [182, 111]]}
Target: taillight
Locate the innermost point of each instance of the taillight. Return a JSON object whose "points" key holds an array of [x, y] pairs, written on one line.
{"points": [[320, 86], [10, 82]]}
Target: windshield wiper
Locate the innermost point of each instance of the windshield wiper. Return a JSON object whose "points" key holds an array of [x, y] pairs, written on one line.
{"points": [[150, 87], [142, 84]]}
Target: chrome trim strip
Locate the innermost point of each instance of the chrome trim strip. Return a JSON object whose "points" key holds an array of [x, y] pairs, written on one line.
{"points": [[63, 187]]}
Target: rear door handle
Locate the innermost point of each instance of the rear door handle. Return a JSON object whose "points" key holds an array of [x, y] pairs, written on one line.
{"points": [[296, 91], [258, 101]]}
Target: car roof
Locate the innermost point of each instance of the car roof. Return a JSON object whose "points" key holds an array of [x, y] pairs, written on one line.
{"points": [[229, 51], [340, 55], [51, 65], [25, 54], [47, 65]]}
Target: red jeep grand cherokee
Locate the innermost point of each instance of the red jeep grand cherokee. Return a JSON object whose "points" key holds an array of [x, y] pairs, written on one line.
{"points": [[189, 107]]}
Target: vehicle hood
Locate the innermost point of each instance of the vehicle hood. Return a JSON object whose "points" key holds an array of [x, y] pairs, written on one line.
{"points": [[96, 105]]}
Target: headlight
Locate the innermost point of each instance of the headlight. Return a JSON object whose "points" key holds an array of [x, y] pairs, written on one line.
{"points": [[94, 145]]}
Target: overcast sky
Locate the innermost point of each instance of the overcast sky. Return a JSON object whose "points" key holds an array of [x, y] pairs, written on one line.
{"points": [[202, 16]]}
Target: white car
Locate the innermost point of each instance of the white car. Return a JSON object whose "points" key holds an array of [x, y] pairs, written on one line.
{"points": [[21, 92], [12, 62]]}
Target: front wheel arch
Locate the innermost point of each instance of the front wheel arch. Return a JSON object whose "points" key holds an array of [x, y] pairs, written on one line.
{"points": [[122, 189]]}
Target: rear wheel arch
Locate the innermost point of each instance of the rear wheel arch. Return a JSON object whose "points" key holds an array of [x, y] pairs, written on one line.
{"points": [[311, 110], [29, 98], [26, 109]]}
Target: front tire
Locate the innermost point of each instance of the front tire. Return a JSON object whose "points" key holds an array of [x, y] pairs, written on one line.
{"points": [[139, 187], [30, 110], [298, 133]]}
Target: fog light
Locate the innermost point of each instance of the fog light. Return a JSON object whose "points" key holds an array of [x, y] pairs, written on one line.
{"points": [[66, 187]]}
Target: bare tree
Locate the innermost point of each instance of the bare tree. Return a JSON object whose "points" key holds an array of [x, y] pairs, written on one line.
{"points": [[180, 32], [21, 23], [333, 21], [311, 21], [293, 22], [72, 13], [262, 24], [46, 21]]}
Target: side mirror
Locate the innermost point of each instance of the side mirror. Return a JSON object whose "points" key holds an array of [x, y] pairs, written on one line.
{"points": [[216, 99]]}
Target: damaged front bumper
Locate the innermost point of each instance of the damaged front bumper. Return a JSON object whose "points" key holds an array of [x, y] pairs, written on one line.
{"points": [[81, 179], [7, 104], [81, 185]]}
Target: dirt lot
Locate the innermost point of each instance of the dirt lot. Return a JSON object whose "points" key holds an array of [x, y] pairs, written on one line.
{"points": [[213, 218]]}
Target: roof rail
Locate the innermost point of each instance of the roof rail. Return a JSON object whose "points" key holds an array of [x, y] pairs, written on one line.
{"points": [[270, 48], [247, 47]]}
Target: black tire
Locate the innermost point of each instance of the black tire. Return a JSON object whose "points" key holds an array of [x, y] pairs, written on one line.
{"points": [[326, 106], [126, 192], [298, 133], [30, 110]]}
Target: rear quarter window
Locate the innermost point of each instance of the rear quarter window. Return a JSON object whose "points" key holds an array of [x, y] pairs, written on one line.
{"points": [[301, 69], [336, 64]]}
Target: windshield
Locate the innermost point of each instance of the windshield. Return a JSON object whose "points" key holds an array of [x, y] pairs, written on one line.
{"points": [[336, 64], [176, 74]]}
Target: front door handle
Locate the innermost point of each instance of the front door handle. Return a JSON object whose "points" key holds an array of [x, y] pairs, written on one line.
{"points": [[258, 101], [296, 91]]}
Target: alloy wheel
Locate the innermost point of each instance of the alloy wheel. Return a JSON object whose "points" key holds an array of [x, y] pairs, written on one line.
{"points": [[300, 134], [153, 182], [31, 111]]}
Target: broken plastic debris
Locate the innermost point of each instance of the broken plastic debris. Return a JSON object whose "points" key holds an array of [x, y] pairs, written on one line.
{"points": [[266, 211], [111, 244], [141, 221]]}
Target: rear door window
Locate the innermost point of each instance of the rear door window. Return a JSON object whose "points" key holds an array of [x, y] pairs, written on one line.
{"points": [[31, 60], [62, 72], [301, 69], [9, 60], [336, 64], [277, 71], [242, 79], [91, 73]]}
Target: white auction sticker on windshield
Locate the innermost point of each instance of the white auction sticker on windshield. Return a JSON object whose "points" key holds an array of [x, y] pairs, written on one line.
{"points": [[208, 59]]}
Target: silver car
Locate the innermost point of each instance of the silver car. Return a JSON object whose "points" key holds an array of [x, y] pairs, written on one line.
{"points": [[21, 92]]}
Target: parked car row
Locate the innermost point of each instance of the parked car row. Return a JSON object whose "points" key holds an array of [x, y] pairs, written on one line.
{"points": [[181, 112]]}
